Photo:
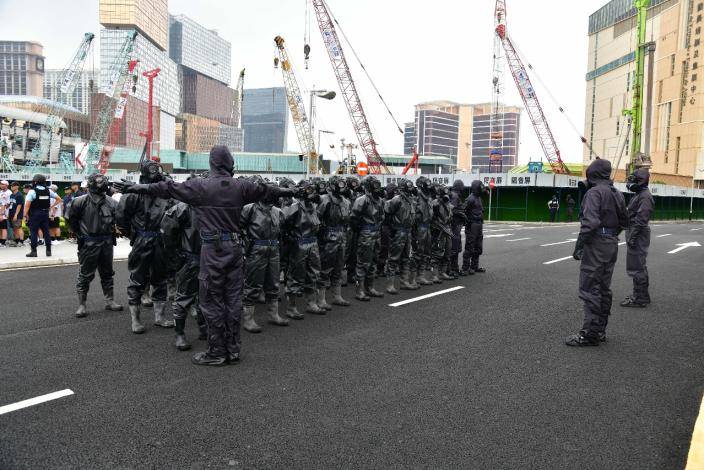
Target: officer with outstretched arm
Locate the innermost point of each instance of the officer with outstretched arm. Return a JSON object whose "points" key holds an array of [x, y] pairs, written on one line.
{"points": [[217, 201]]}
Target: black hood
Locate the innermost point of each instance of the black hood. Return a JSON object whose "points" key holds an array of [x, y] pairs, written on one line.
{"points": [[599, 170], [458, 186], [638, 180], [477, 188], [221, 161]]}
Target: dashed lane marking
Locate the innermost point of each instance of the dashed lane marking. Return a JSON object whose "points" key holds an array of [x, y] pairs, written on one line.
{"points": [[426, 296], [561, 243], [519, 239], [499, 230], [622, 243], [695, 459], [499, 235], [664, 235], [35, 401], [695, 229], [558, 260]]}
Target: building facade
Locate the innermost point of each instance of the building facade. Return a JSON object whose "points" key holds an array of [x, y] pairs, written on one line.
{"points": [[265, 120], [149, 17], [200, 49], [675, 138], [460, 133], [21, 68], [80, 99], [205, 96]]}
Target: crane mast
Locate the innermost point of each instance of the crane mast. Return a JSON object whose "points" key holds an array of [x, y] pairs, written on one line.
{"points": [[115, 90], [237, 102], [348, 88], [528, 94], [298, 110], [67, 84]]}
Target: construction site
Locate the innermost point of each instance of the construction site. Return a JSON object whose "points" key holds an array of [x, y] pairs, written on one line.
{"points": [[157, 97]]}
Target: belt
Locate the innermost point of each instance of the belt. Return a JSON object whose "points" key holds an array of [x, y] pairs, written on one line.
{"points": [[370, 227], [96, 238], [306, 240], [148, 234], [213, 237], [607, 231], [335, 229], [425, 226], [266, 242], [401, 228]]}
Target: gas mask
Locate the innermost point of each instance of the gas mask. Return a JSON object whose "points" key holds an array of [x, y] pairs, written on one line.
{"points": [[442, 193], [98, 184], [406, 187], [337, 186], [352, 187], [309, 193], [151, 172], [423, 184]]}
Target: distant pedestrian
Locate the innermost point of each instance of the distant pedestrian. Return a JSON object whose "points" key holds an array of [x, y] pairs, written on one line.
{"points": [[36, 211], [16, 213], [553, 206], [5, 194], [571, 204], [56, 212]]}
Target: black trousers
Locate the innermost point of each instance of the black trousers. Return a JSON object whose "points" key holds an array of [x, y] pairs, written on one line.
{"points": [[303, 269], [636, 267], [332, 259], [262, 272], [456, 247], [553, 214], [400, 261], [422, 248], [38, 220], [220, 295], [473, 245], [95, 256], [147, 264], [368, 242], [595, 272]]}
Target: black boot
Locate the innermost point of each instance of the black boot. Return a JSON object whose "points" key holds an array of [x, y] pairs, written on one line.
{"points": [[248, 323], [583, 339], [110, 303], [371, 291], [205, 359], [632, 303], [81, 310], [48, 250], [32, 254], [361, 294], [180, 342]]}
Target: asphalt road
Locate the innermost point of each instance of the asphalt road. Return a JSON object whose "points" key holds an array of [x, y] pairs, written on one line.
{"points": [[474, 378]]}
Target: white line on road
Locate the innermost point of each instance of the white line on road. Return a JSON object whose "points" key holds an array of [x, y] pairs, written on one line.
{"points": [[558, 260], [622, 243], [519, 239], [561, 243], [499, 235], [499, 230], [683, 246], [659, 225], [426, 296], [664, 235], [695, 229], [575, 233], [35, 401]]}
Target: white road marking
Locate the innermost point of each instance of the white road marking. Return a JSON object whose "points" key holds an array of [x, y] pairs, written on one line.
{"points": [[426, 296], [683, 246], [561, 243], [695, 229], [519, 239], [499, 230], [659, 225], [622, 243], [575, 233], [35, 401], [499, 235], [558, 260], [664, 235]]}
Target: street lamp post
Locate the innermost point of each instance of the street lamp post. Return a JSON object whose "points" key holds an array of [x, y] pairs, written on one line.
{"points": [[325, 94]]}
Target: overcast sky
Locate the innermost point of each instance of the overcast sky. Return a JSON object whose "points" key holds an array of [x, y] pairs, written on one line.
{"points": [[415, 51]]}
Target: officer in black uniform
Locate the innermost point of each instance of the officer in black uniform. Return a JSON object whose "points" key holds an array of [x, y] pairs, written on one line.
{"points": [[353, 191], [553, 206], [286, 244], [301, 226], [92, 218], [217, 202], [603, 217], [474, 230], [400, 218], [334, 215], [261, 224], [640, 210], [441, 234], [390, 190], [459, 220], [366, 219], [422, 241], [182, 241], [140, 215], [36, 213]]}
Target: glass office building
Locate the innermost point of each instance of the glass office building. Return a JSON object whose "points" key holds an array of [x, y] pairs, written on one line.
{"points": [[200, 49], [265, 120], [506, 132], [409, 137], [149, 17], [80, 99]]}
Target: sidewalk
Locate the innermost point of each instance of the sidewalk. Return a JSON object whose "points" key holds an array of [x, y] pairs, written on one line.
{"points": [[63, 253]]}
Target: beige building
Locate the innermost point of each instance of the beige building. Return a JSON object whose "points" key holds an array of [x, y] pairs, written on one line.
{"points": [[21, 68], [676, 136], [149, 17]]}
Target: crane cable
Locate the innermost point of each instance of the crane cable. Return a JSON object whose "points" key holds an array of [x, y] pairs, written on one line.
{"points": [[344, 36]]}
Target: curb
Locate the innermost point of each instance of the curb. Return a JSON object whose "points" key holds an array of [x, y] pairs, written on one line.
{"points": [[47, 262]]}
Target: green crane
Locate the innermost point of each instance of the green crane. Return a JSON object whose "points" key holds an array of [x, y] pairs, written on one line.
{"points": [[635, 114]]}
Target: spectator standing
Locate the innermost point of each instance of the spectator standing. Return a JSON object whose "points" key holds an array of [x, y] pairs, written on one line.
{"points": [[5, 194], [55, 215], [571, 203], [553, 206], [16, 214]]}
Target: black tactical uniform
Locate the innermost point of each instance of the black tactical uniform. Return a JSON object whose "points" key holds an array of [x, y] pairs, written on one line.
{"points": [[603, 217], [459, 220], [217, 202], [400, 215], [182, 240], [92, 218], [39, 215], [301, 226], [140, 215], [334, 215], [640, 210], [286, 244], [353, 191], [571, 203], [385, 233], [261, 226], [366, 219], [441, 234], [473, 231], [553, 206], [422, 242]]}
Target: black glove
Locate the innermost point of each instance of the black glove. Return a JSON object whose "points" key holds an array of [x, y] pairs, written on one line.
{"points": [[123, 186], [582, 240]]}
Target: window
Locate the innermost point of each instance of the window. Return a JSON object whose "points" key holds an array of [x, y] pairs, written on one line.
{"points": [[618, 127], [697, 42], [698, 30], [700, 7], [694, 77], [695, 65], [664, 121], [660, 91], [699, 18], [677, 155], [672, 65]]}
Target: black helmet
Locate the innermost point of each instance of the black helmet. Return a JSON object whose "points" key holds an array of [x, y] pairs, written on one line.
{"points": [[405, 186], [39, 180], [372, 185], [424, 184], [477, 188], [151, 172], [98, 184]]}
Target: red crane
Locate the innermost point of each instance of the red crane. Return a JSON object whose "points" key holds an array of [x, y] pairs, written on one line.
{"points": [[149, 135], [530, 99], [348, 88]]}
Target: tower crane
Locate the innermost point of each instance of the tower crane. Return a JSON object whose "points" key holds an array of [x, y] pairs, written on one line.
{"points": [[237, 102], [527, 92], [96, 159], [348, 88], [67, 84], [298, 110]]}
